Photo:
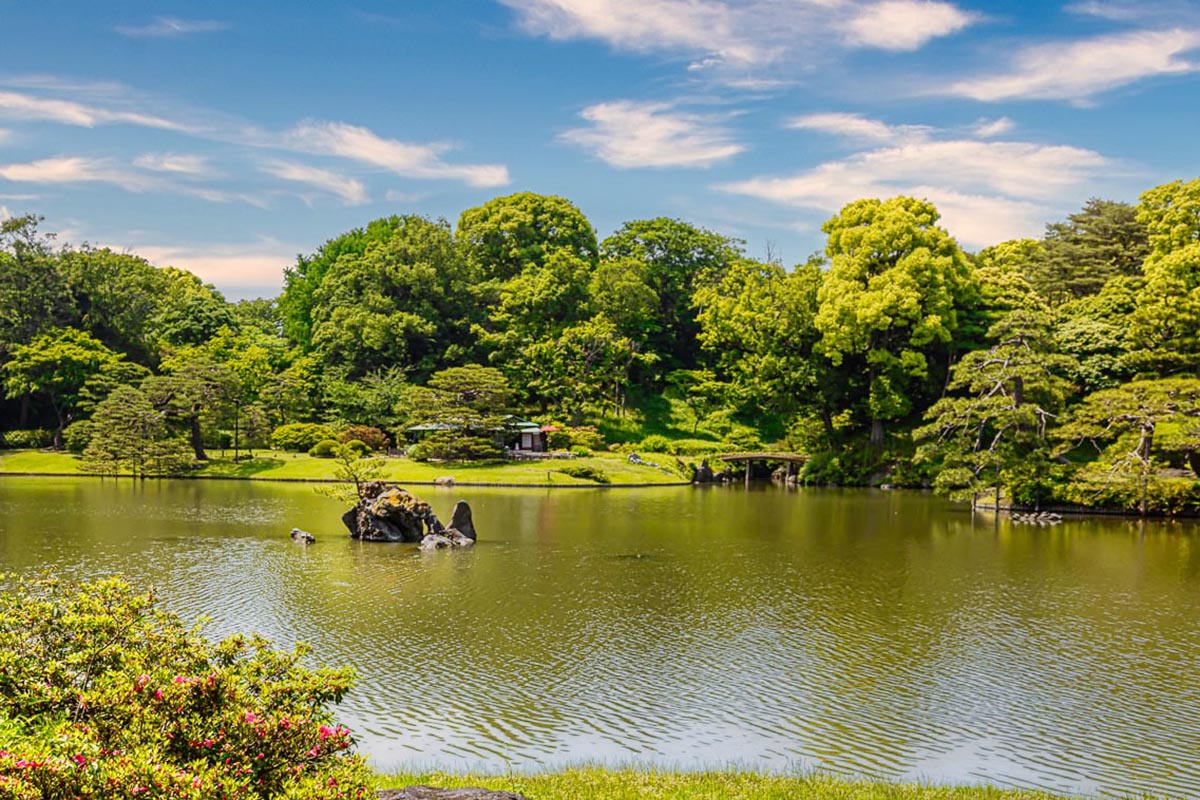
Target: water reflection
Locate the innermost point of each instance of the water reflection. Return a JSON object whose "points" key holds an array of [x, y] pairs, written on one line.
{"points": [[857, 632]]}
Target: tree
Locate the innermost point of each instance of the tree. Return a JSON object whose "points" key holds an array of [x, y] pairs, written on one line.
{"points": [[1094, 330], [504, 236], [1123, 424], [891, 298], [1104, 240], [1166, 324], [56, 365], [699, 390], [194, 390], [402, 302], [466, 405], [996, 418], [300, 282], [676, 259], [129, 436]]}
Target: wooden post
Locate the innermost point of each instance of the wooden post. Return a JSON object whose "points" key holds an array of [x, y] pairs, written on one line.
{"points": [[748, 464]]}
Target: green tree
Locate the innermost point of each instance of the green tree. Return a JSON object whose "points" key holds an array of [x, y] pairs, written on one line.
{"points": [[56, 366], [130, 437], [1104, 240], [195, 391], [1123, 425], [995, 420], [402, 302], [676, 259], [504, 236], [300, 282], [890, 299], [192, 311], [1166, 324]]}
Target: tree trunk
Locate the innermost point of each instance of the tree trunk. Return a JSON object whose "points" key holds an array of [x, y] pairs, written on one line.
{"points": [[24, 416], [198, 440], [877, 434]]}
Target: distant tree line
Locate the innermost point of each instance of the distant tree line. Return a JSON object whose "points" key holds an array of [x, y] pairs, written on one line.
{"points": [[1060, 369]]}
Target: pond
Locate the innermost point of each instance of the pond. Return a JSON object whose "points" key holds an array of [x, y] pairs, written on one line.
{"points": [[857, 632]]}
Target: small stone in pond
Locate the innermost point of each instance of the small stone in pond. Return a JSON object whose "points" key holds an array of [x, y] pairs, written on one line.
{"points": [[304, 537]]}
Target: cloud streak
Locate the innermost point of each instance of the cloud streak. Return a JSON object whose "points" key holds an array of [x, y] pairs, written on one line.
{"points": [[1081, 69], [628, 134], [170, 28], [350, 191]]}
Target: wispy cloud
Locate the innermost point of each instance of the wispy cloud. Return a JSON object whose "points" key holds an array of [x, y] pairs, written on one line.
{"points": [[856, 127], [252, 267], [629, 134], [27, 107], [176, 163], [991, 128], [1078, 70], [171, 27], [352, 192], [736, 40], [402, 158], [905, 24], [987, 191]]}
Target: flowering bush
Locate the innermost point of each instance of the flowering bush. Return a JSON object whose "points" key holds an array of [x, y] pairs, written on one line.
{"points": [[371, 437], [102, 694]]}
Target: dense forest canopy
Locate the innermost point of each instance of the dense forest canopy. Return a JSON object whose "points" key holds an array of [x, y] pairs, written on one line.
{"points": [[1059, 368]]}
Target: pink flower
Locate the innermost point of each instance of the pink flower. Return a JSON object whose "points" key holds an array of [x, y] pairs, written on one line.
{"points": [[158, 694], [325, 732], [251, 717]]}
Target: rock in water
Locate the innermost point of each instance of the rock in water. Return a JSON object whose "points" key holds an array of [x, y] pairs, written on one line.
{"points": [[449, 538], [429, 793], [390, 514], [704, 474], [460, 520], [304, 537]]}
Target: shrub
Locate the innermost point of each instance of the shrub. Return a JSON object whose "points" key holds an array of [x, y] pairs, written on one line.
{"points": [[357, 447], [587, 473], [373, 438], [297, 437], [33, 438], [78, 435], [106, 695], [326, 448], [742, 439], [580, 450], [655, 443], [695, 447], [454, 446], [566, 438]]}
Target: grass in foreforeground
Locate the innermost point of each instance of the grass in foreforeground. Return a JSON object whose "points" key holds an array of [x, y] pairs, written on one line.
{"points": [[288, 466], [597, 783]]}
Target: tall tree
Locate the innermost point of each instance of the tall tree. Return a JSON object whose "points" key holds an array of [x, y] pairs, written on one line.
{"points": [[676, 259], [1103, 240], [56, 366], [891, 298], [130, 437], [504, 236], [196, 388]]}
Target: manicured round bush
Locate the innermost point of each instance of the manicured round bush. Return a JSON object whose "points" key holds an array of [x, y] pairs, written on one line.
{"points": [[357, 447], [103, 694], [655, 443], [297, 437], [78, 435], [327, 448], [374, 438]]}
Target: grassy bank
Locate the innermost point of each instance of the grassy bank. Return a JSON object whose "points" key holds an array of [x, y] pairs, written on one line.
{"points": [[605, 784], [297, 467]]}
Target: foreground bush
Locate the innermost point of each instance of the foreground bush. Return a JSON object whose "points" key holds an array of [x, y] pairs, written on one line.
{"points": [[34, 438], [102, 694]]}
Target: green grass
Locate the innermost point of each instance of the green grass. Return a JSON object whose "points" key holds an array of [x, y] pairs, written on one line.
{"points": [[286, 466], [597, 783]]}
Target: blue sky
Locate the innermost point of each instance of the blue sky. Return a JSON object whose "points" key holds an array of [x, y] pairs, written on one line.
{"points": [[227, 137]]}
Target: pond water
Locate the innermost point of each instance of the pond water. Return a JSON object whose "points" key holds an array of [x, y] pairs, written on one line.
{"points": [[857, 632]]}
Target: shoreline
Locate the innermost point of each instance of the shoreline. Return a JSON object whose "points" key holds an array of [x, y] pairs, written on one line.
{"points": [[268, 479]]}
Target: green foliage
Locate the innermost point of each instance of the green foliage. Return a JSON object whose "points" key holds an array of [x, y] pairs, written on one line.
{"points": [[372, 438], [506, 235], [128, 436], [106, 695], [326, 448], [298, 437], [1104, 240], [28, 439], [585, 472], [655, 443], [357, 447], [455, 446]]}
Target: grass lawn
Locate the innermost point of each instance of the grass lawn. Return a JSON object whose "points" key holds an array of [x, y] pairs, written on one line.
{"points": [[603, 784], [288, 466]]}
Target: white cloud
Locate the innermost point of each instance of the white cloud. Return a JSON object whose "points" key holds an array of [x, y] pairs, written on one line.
{"points": [[987, 191], [856, 127], [63, 170], [1078, 70], [5, 213], [991, 128], [175, 163], [170, 27], [351, 191], [403, 158], [904, 24], [239, 268], [731, 38], [17, 105], [629, 134]]}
